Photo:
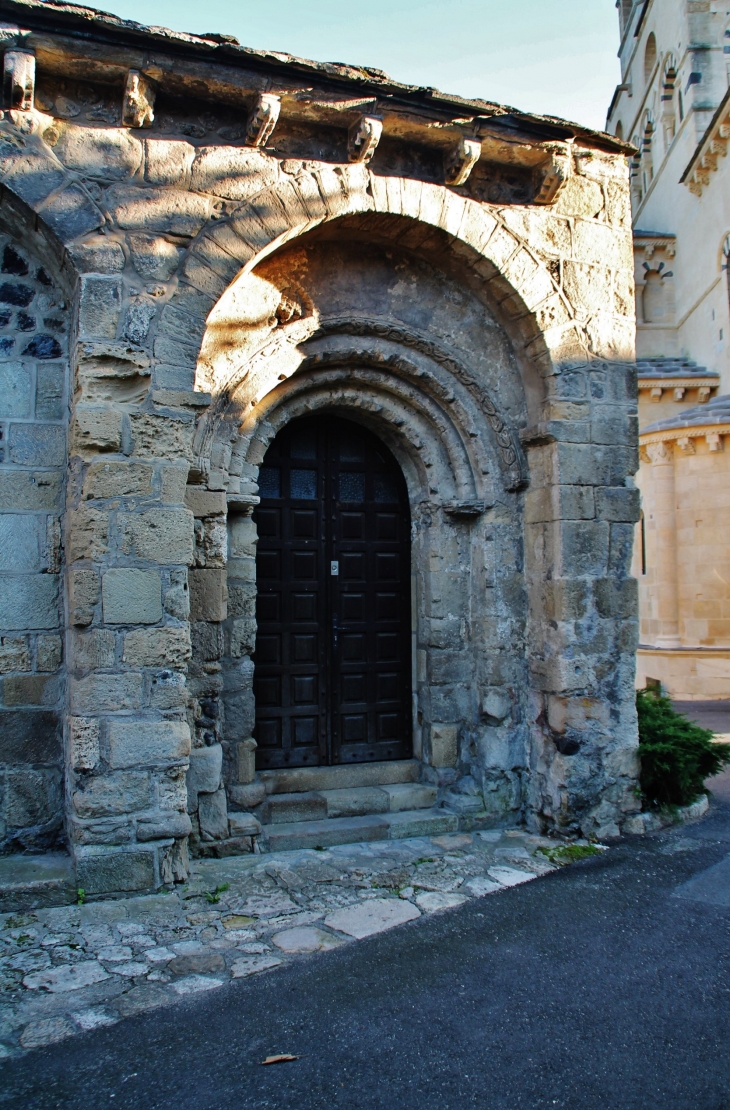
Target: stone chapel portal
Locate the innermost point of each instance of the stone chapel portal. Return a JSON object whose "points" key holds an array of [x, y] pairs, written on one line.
{"points": [[332, 676]]}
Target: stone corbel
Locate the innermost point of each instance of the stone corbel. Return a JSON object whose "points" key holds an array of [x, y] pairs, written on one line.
{"points": [[714, 442], [655, 393], [686, 445], [18, 80], [263, 119], [660, 454], [679, 393], [363, 138], [139, 101], [553, 175], [703, 394], [465, 510], [461, 161]]}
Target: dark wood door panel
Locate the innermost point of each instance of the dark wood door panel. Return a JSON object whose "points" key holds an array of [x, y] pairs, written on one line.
{"points": [[332, 659]]}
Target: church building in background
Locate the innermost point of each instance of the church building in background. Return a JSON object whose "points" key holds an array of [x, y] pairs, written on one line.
{"points": [[673, 105]]}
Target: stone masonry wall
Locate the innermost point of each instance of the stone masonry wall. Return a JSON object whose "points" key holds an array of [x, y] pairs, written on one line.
{"points": [[157, 219], [34, 327]]}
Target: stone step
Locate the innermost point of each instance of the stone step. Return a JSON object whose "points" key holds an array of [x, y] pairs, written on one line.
{"points": [[379, 799], [410, 795], [295, 780], [293, 835], [33, 882], [281, 809]]}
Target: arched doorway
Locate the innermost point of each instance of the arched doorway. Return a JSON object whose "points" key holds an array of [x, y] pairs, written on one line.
{"points": [[332, 676]]}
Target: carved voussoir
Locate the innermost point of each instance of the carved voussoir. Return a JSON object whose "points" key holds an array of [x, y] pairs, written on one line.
{"points": [[18, 80], [363, 138], [461, 161], [139, 101], [553, 174], [263, 119]]}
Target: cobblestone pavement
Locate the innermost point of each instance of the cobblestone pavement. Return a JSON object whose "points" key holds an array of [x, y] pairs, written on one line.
{"points": [[70, 969]]}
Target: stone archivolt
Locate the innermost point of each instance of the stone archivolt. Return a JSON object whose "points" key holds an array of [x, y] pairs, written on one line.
{"points": [[221, 290]]}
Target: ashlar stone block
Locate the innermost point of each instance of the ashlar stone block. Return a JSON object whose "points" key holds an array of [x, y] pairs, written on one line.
{"points": [[101, 870], [93, 650], [96, 427], [99, 306], [20, 542], [117, 479], [131, 596], [158, 647], [147, 743], [154, 258], [83, 739], [15, 389], [88, 534], [444, 745], [203, 502], [106, 693], [159, 437], [204, 773], [159, 535], [108, 795], [208, 595], [213, 815], [14, 654], [29, 601]]}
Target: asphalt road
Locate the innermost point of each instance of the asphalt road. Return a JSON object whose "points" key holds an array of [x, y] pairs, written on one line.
{"points": [[604, 986]]}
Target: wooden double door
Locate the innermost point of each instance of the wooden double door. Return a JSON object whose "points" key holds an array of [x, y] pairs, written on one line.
{"points": [[332, 677]]}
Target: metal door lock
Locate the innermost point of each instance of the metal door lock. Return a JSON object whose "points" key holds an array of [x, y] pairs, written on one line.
{"points": [[335, 567]]}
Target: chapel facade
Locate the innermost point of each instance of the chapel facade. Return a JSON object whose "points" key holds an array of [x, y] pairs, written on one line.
{"points": [[318, 419], [673, 105]]}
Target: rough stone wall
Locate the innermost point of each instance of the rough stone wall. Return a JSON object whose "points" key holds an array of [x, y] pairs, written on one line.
{"points": [[34, 326], [188, 353]]}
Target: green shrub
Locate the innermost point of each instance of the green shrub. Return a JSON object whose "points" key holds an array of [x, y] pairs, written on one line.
{"points": [[676, 754]]}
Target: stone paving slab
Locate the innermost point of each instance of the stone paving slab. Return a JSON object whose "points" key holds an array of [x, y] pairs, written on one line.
{"points": [[69, 969]]}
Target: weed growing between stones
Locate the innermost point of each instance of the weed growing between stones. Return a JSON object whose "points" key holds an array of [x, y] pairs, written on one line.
{"points": [[569, 853], [214, 896], [676, 754]]}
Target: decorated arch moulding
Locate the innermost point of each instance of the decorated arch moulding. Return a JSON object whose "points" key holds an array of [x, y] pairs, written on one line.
{"points": [[528, 301], [370, 352], [523, 291]]}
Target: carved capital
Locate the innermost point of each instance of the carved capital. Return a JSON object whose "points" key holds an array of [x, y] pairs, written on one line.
{"points": [[461, 161], [660, 454], [363, 138], [139, 101], [553, 174], [263, 119], [18, 80]]}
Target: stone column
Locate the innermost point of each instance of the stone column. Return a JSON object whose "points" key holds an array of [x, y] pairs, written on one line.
{"points": [[661, 456]]}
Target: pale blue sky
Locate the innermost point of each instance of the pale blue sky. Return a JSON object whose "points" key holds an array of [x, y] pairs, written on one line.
{"points": [[551, 56]]}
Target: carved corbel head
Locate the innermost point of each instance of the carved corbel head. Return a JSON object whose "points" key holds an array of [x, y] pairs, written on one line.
{"points": [[363, 138], [139, 101], [18, 80], [553, 174], [263, 119], [461, 161]]}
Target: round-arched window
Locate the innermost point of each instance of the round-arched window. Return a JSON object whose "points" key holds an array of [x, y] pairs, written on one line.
{"points": [[650, 55]]}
